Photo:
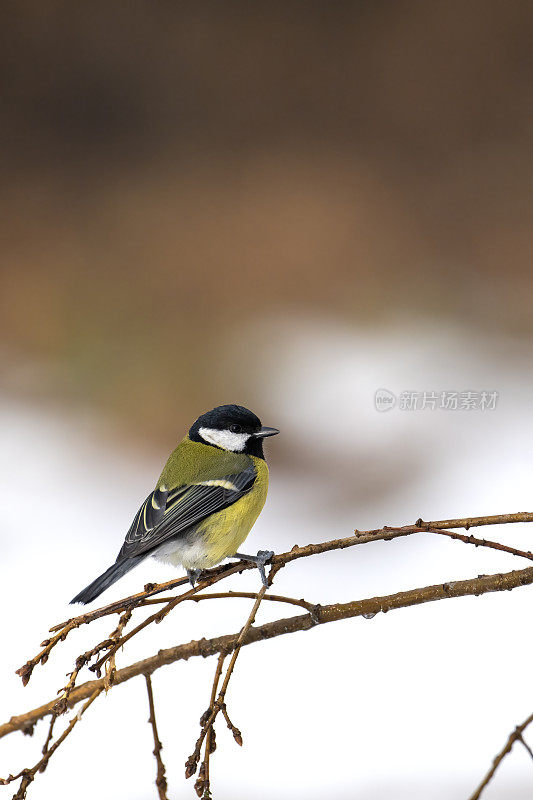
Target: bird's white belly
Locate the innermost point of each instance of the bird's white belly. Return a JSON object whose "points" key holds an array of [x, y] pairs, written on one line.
{"points": [[186, 553]]}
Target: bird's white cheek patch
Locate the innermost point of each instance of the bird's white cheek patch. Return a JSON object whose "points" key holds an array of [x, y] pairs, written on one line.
{"points": [[227, 440]]}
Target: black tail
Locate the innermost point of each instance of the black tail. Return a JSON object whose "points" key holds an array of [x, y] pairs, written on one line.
{"points": [[100, 584]]}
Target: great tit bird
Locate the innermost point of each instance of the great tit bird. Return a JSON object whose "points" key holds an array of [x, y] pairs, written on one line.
{"points": [[210, 493]]}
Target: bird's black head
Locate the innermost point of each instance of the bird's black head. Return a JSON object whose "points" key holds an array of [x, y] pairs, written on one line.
{"points": [[232, 428]]}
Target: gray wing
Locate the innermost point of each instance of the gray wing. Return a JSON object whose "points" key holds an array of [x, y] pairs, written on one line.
{"points": [[166, 514]]}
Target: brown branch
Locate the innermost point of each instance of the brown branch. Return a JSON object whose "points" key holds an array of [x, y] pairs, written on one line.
{"points": [[476, 522], [322, 615], [248, 634], [386, 533], [160, 781], [515, 736], [220, 572], [359, 537]]}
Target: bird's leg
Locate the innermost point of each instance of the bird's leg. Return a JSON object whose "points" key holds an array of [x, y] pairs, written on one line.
{"points": [[262, 557], [193, 575]]}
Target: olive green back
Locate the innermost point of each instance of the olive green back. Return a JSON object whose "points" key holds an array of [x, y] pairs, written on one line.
{"points": [[192, 461]]}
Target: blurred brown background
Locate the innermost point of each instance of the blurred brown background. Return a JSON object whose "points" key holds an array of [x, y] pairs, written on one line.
{"points": [[175, 172], [286, 205]]}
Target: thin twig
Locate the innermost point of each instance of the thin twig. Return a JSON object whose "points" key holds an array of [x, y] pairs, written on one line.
{"points": [[516, 735], [237, 735], [62, 704], [160, 781], [157, 617], [210, 744], [203, 783], [48, 739], [149, 590], [483, 543], [276, 598], [115, 637], [525, 744], [28, 775], [62, 629], [192, 761], [42, 657]]}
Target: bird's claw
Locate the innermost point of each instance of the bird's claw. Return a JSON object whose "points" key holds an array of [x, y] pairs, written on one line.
{"points": [[262, 558], [193, 575]]}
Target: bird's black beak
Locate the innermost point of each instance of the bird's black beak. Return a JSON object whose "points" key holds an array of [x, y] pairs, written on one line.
{"points": [[262, 433]]}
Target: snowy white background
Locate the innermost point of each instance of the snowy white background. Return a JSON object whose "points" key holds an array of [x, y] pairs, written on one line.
{"points": [[410, 704]]}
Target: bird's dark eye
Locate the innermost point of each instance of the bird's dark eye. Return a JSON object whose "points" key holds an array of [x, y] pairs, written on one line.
{"points": [[235, 428]]}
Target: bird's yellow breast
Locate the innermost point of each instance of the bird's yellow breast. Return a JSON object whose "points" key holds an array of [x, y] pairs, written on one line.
{"points": [[225, 531]]}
